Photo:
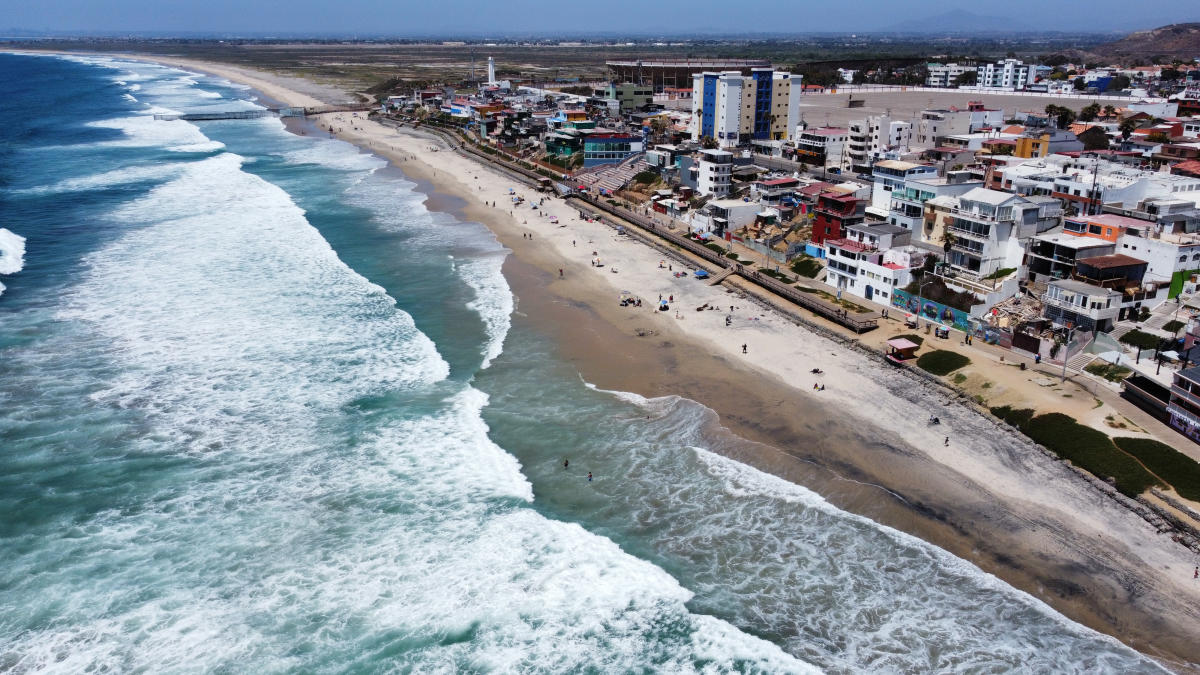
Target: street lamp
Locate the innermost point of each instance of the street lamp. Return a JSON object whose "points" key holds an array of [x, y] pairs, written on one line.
{"points": [[1067, 347]]}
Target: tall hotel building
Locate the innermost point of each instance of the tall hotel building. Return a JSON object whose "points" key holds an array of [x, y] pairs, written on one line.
{"points": [[735, 109]]}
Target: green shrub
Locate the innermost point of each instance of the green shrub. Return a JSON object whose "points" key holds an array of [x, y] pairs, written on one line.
{"points": [[731, 255], [1001, 273], [806, 266], [1173, 326], [1017, 417], [1090, 450], [645, 177], [942, 362], [1141, 339], [1110, 372], [1181, 471]]}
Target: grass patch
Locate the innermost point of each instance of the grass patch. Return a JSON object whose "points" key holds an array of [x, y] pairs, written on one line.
{"points": [[1017, 417], [1141, 339], [776, 275], [1001, 273], [1109, 371], [806, 266], [1181, 471], [942, 362], [1085, 447], [959, 378], [1173, 326]]}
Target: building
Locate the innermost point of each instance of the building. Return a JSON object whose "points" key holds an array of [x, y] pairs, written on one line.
{"points": [[891, 174], [985, 229], [907, 206], [734, 109], [628, 95], [867, 270], [835, 212], [1043, 142], [944, 75], [713, 172], [720, 216], [1055, 255], [867, 139], [1075, 304], [824, 147], [1184, 407], [610, 147], [663, 74], [934, 125], [1011, 74]]}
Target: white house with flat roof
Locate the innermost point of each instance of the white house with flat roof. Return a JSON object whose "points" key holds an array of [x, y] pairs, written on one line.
{"points": [[890, 174]]}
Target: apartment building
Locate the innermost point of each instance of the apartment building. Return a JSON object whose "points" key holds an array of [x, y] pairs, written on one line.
{"points": [[986, 229], [823, 146], [714, 172], [870, 271], [734, 109], [907, 206], [867, 139], [1184, 407], [1071, 303], [934, 125], [835, 212], [944, 74], [890, 174], [1011, 74]]}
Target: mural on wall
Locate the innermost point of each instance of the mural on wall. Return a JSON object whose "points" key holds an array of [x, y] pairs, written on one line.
{"points": [[932, 311]]}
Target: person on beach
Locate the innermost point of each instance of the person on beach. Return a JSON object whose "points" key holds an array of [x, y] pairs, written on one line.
{"points": [[743, 348], [946, 442], [560, 273], [589, 476], [566, 463]]}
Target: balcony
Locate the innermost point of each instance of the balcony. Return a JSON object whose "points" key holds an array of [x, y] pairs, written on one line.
{"points": [[970, 233], [1184, 415], [969, 247], [1177, 391], [1098, 314]]}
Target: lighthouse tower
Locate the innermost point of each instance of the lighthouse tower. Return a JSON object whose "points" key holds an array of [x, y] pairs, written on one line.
{"points": [[491, 70]]}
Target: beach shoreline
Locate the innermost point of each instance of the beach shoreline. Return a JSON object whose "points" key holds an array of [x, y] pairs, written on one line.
{"points": [[863, 444]]}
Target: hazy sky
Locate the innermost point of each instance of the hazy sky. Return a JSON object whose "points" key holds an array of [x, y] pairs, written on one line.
{"points": [[408, 17]]}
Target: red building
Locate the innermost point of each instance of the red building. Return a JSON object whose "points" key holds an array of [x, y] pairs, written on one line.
{"points": [[834, 213]]}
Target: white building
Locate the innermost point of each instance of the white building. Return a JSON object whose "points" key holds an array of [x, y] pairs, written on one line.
{"points": [[866, 270], [823, 146], [907, 206], [986, 229], [870, 138], [734, 109], [944, 75], [934, 125], [1011, 74], [714, 172], [1068, 302], [890, 174]]}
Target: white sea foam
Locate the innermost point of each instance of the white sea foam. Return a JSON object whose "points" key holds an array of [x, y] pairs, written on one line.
{"points": [[145, 131], [335, 155], [339, 499], [12, 252], [108, 179], [493, 299]]}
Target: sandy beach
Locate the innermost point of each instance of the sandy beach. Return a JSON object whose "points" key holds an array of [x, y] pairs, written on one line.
{"points": [[970, 486]]}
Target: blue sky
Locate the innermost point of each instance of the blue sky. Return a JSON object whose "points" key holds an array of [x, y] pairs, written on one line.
{"points": [[408, 17]]}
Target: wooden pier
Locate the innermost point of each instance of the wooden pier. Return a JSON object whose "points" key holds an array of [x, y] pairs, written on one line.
{"points": [[262, 112]]}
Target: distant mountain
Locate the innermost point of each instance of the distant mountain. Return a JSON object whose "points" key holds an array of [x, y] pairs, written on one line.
{"points": [[1181, 40], [959, 21]]}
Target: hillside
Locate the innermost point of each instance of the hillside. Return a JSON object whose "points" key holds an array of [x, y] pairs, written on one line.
{"points": [[1180, 40]]}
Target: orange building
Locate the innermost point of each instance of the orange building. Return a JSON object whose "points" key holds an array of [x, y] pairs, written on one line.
{"points": [[1106, 226]]}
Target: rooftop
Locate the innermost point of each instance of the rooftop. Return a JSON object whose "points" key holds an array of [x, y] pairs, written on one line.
{"points": [[878, 228], [1114, 220], [1105, 262], [1081, 287], [1073, 241], [849, 245], [898, 165], [987, 196]]}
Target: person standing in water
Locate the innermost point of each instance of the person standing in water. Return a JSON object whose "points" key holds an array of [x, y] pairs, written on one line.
{"points": [[589, 476], [566, 463]]}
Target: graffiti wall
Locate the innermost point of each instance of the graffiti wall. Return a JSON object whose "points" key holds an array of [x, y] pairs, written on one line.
{"points": [[932, 311]]}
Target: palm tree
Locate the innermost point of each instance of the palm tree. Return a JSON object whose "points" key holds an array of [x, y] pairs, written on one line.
{"points": [[659, 126], [1110, 111]]}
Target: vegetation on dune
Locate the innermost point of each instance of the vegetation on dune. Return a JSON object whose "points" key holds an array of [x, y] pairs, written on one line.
{"points": [[1085, 447], [1174, 467], [1141, 339], [942, 362], [806, 266]]}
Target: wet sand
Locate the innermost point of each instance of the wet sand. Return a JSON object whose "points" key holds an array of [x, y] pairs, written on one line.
{"points": [[997, 502]]}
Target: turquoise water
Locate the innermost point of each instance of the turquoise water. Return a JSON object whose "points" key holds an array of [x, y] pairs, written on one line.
{"points": [[261, 411]]}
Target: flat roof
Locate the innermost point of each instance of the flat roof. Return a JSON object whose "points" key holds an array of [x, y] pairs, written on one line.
{"points": [[1113, 220], [1073, 241], [902, 343], [1104, 262], [878, 228], [898, 164], [1081, 287]]}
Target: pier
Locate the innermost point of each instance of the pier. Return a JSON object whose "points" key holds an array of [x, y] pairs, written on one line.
{"points": [[262, 112]]}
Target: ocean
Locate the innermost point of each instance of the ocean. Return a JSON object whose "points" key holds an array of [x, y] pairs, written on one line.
{"points": [[262, 411]]}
